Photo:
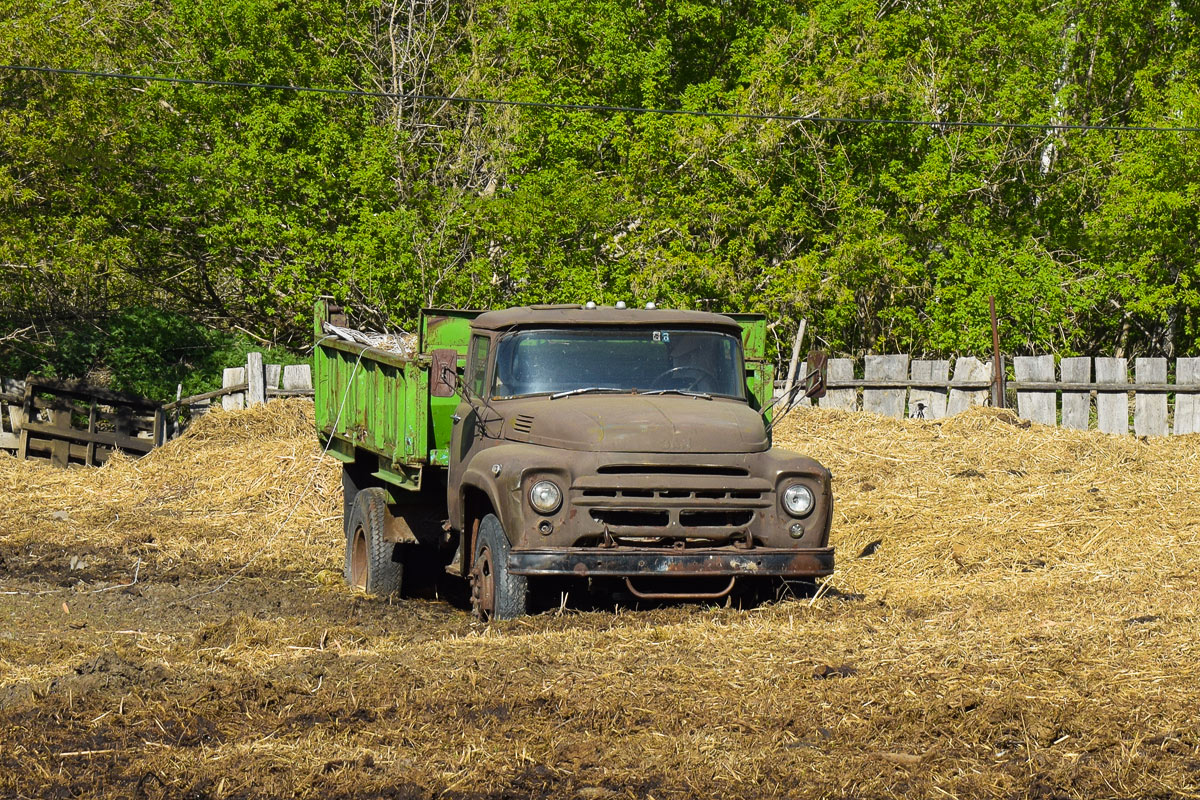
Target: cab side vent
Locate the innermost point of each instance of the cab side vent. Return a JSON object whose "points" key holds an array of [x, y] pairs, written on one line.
{"points": [[522, 423]]}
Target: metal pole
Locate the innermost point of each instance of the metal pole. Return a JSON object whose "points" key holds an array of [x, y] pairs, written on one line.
{"points": [[997, 360]]}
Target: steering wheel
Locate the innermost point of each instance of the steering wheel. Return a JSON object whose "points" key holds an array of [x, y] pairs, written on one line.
{"points": [[698, 376]]}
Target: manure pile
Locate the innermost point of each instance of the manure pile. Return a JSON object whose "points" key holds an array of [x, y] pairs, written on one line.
{"points": [[1022, 623]]}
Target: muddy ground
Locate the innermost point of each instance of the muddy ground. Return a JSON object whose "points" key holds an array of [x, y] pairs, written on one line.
{"points": [[1026, 626]]}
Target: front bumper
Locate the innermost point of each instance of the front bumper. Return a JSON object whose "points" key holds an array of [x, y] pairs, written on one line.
{"points": [[623, 562]]}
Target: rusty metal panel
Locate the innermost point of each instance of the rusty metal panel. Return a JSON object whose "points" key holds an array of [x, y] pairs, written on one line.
{"points": [[754, 335], [445, 328], [374, 400]]}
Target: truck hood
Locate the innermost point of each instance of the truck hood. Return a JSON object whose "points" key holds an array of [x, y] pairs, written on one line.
{"points": [[636, 424]]}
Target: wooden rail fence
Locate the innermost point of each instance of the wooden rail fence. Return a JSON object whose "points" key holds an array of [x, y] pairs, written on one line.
{"points": [[1089, 393], [71, 423]]}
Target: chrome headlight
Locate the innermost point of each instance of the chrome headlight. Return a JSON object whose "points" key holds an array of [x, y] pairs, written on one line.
{"points": [[545, 497], [798, 499]]}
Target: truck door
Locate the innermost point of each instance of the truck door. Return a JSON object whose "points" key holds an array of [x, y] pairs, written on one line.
{"points": [[468, 430]]}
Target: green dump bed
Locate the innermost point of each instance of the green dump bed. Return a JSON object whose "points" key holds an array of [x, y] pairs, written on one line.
{"points": [[377, 402]]}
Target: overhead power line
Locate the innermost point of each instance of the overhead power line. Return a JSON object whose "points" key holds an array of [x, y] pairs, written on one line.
{"points": [[599, 108]]}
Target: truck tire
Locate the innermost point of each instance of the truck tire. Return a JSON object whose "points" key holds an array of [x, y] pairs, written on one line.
{"points": [[370, 559], [496, 593]]}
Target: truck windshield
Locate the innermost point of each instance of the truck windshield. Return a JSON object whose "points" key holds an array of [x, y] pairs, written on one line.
{"points": [[624, 359]]}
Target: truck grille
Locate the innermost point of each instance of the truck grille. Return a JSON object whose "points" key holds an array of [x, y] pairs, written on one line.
{"points": [[672, 504]]}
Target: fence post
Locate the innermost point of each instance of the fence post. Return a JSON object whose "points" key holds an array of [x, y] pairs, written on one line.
{"points": [[297, 376], [889, 402], [232, 376], [1150, 408], [840, 369], [256, 389], [1187, 406], [1112, 408], [968, 368], [1039, 406], [1076, 406], [998, 400], [791, 376], [929, 403]]}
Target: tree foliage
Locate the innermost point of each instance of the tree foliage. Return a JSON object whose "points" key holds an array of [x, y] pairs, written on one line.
{"points": [[234, 208]]}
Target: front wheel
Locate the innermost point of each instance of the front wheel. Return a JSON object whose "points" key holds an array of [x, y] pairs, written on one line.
{"points": [[370, 559], [495, 592]]}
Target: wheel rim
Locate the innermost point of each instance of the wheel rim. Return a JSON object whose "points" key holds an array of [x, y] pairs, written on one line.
{"points": [[484, 590], [358, 561]]}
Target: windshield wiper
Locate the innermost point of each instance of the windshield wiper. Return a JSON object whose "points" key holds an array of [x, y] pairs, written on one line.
{"points": [[684, 392], [587, 390]]}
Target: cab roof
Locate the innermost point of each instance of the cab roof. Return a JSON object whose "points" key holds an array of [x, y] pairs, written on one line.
{"points": [[567, 315]]}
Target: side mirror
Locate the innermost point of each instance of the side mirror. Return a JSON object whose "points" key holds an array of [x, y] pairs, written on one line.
{"points": [[815, 380], [443, 374]]}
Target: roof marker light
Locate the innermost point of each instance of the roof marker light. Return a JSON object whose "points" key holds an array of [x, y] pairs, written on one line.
{"points": [[650, 306], [590, 304], [620, 304]]}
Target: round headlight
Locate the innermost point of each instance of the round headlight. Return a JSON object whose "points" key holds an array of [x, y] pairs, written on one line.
{"points": [[545, 497], [798, 499]]}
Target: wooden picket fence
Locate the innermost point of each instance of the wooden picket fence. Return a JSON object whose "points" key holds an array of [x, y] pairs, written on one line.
{"points": [[897, 386]]}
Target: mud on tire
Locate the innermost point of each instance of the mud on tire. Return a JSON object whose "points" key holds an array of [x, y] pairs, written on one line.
{"points": [[371, 563], [495, 592]]}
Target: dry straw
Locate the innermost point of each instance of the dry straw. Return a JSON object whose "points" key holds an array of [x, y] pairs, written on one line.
{"points": [[1022, 623]]}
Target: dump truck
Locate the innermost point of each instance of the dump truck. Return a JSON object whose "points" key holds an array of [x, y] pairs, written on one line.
{"points": [[530, 450]]}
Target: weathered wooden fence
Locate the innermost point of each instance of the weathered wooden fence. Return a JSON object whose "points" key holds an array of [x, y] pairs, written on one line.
{"points": [[1038, 394], [897, 386], [71, 423], [251, 385]]}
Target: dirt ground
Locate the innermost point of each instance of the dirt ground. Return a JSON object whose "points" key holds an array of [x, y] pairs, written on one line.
{"points": [[1014, 615]]}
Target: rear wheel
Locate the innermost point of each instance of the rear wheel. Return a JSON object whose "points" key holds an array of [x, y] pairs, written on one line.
{"points": [[495, 592], [371, 561]]}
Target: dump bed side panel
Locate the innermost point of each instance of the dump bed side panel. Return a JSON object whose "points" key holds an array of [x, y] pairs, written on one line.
{"points": [[760, 372], [378, 401], [444, 329], [371, 399]]}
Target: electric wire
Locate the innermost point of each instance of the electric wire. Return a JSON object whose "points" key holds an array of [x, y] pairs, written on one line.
{"points": [[600, 108]]}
